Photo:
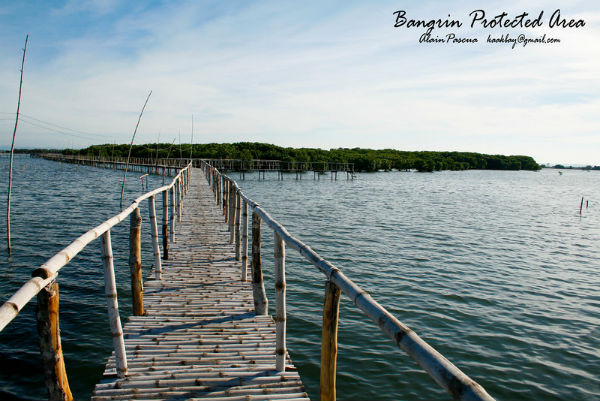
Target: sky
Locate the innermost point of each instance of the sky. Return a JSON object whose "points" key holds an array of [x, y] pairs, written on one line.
{"points": [[317, 74]]}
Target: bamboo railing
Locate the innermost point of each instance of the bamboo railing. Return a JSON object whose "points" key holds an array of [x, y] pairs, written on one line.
{"points": [[43, 281], [229, 196]]}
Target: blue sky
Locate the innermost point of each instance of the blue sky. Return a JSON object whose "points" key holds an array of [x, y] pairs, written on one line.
{"points": [[313, 73]]}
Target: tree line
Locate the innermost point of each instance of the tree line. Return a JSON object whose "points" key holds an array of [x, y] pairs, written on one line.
{"points": [[363, 159]]}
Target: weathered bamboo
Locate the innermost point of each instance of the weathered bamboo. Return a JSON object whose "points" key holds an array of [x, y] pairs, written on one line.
{"points": [[329, 344], [244, 240], [448, 376], [225, 198], [261, 303], [180, 191], [135, 263], [12, 148], [173, 213], [237, 228], [131, 145], [280, 312], [110, 290], [165, 224], [50, 346], [156, 248], [231, 220]]}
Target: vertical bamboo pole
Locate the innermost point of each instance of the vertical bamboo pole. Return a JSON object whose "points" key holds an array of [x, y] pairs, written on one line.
{"points": [[219, 197], [329, 345], [154, 227], [179, 208], [110, 290], [172, 213], [50, 346], [244, 241], [130, 146], [135, 262], [237, 228], [261, 303], [226, 199], [165, 226], [231, 206], [280, 313], [12, 148]]}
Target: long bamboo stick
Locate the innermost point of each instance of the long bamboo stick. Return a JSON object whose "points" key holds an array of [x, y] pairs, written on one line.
{"points": [[329, 343], [244, 240], [110, 289], [130, 146], [280, 309], [156, 248], [165, 224], [237, 227], [53, 361], [261, 303], [231, 220], [12, 148], [173, 213], [180, 192], [135, 263]]}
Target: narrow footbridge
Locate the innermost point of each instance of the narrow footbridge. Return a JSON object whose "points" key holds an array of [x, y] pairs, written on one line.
{"points": [[201, 328]]}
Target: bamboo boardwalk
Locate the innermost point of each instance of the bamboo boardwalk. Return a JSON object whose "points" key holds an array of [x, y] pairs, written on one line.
{"points": [[200, 337]]}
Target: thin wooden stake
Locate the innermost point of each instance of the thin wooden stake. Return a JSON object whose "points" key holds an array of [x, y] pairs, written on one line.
{"points": [[237, 228], [244, 240], [12, 147], [280, 309], [261, 303], [135, 262], [329, 344], [179, 199], [231, 220], [50, 346], [581, 205], [165, 224], [130, 146], [110, 289], [156, 248], [173, 213]]}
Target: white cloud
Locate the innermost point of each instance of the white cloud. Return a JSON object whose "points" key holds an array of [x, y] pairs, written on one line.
{"points": [[317, 76]]}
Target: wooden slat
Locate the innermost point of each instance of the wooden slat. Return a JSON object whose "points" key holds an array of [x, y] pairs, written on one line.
{"points": [[200, 337]]}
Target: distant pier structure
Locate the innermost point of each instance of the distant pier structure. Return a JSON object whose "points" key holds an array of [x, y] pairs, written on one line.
{"points": [[282, 167], [170, 165]]}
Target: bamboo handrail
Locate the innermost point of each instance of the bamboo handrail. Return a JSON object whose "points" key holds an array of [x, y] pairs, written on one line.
{"points": [[49, 270], [447, 375], [43, 285]]}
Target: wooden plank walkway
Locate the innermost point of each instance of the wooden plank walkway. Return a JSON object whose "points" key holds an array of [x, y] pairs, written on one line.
{"points": [[200, 337]]}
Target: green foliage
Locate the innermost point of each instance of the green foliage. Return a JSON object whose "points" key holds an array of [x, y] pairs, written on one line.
{"points": [[363, 159]]}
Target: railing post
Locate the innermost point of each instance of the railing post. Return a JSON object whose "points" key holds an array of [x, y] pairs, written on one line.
{"points": [[231, 207], [180, 189], [165, 224], [261, 303], [50, 346], [110, 290], [238, 220], [225, 198], [135, 262], [172, 213], [329, 344], [154, 227], [244, 240], [280, 313]]}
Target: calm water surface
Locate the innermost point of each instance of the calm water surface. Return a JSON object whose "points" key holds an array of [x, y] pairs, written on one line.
{"points": [[497, 270]]}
